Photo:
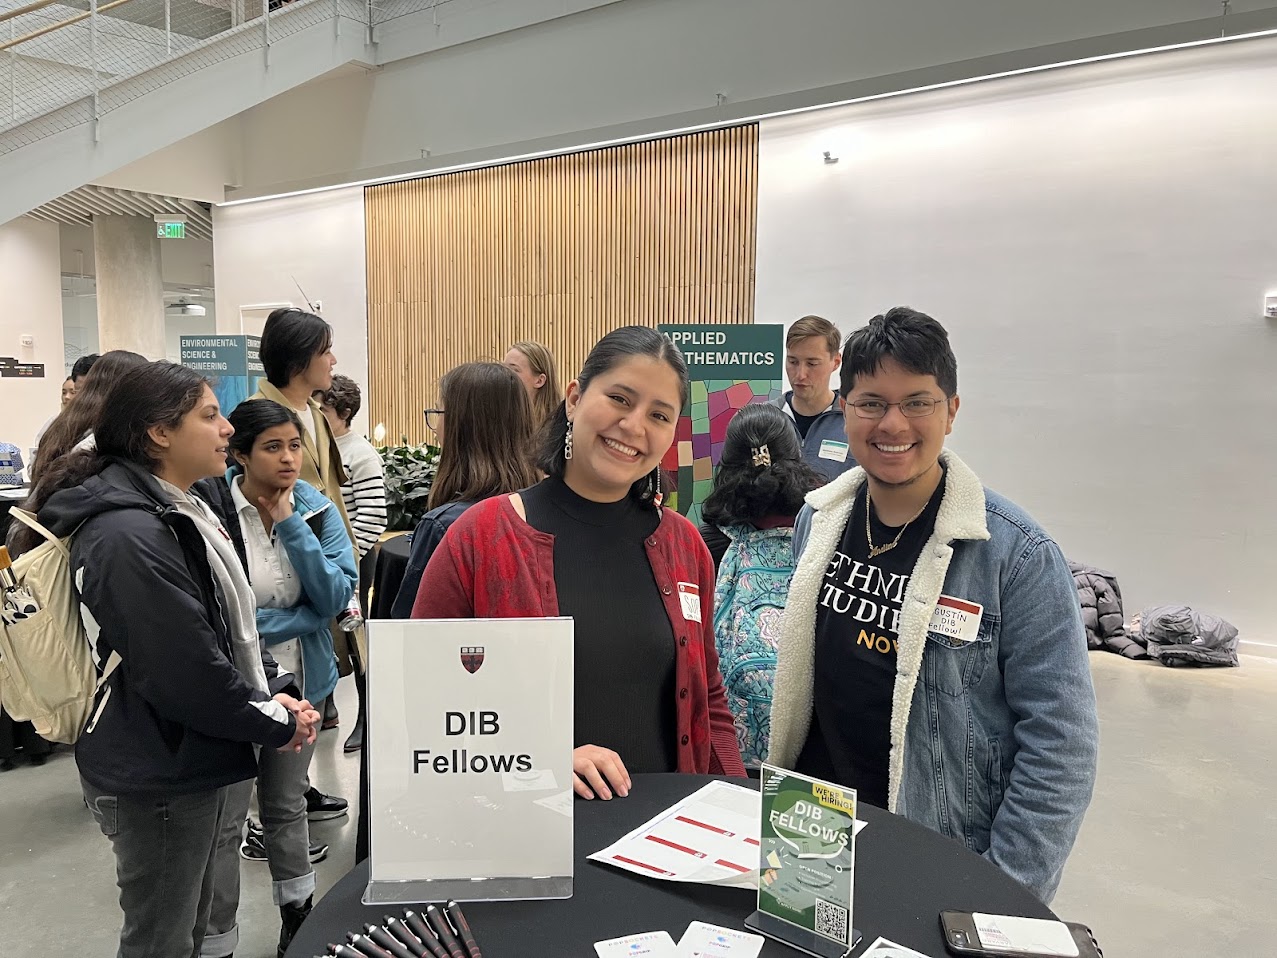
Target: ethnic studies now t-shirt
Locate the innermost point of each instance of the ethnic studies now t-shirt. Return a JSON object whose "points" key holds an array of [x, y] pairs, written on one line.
{"points": [[857, 635]]}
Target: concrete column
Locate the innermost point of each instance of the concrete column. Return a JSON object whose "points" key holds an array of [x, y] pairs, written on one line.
{"points": [[126, 252]]}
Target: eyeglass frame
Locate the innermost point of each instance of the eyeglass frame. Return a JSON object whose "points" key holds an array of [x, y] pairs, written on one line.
{"points": [[433, 427], [857, 405]]}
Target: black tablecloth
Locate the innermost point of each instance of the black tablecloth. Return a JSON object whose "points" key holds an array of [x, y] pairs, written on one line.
{"points": [[905, 876], [392, 562]]}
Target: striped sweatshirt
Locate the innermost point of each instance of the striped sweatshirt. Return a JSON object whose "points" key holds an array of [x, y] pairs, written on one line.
{"points": [[364, 492]]}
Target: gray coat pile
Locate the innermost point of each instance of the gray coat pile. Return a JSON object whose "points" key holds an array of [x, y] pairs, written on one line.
{"points": [[1101, 600], [1177, 635]]}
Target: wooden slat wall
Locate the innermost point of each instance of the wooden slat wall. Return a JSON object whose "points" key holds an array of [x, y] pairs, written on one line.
{"points": [[559, 250]]}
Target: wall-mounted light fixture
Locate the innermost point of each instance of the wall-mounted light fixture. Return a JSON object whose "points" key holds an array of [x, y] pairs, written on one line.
{"points": [[830, 158]]}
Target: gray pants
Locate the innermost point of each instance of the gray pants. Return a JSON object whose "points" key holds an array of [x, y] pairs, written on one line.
{"points": [[164, 849], [281, 799]]}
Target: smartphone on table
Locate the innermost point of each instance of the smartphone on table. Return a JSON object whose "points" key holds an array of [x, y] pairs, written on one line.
{"points": [[980, 935]]}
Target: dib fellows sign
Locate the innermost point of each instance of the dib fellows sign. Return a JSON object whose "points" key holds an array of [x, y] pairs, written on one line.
{"points": [[462, 760], [805, 819]]}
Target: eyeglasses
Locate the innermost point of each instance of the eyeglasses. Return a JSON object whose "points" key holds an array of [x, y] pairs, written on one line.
{"points": [[917, 408], [432, 418]]}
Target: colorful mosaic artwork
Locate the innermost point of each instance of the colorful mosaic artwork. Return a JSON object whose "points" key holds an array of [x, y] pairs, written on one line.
{"points": [[730, 365], [698, 444]]}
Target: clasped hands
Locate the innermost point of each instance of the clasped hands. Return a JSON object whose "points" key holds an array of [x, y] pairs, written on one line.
{"points": [[307, 718]]}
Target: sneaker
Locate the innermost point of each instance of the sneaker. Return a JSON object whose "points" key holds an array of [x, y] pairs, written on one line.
{"points": [[253, 847], [321, 807]]}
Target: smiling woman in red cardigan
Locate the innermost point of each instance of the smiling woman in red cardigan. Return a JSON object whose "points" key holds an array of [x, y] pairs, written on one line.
{"points": [[592, 542]]}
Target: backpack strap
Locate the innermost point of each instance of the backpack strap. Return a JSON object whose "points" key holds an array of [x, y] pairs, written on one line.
{"points": [[112, 663], [27, 519]]}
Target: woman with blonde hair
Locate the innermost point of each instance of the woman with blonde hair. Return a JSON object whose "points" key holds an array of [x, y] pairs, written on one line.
{"points": [[534, 365]]}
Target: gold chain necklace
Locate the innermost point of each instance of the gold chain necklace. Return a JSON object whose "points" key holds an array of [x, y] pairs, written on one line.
{"points": [[875, 551]]}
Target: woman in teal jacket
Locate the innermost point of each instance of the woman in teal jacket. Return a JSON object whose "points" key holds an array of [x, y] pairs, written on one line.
{"points": [[301, 566]]}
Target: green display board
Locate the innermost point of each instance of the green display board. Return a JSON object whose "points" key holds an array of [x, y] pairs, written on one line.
{"points": [[730, 367]]}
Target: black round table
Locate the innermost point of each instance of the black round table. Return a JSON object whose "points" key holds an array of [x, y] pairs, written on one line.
{"points": [[905, 876], [392, 563]]}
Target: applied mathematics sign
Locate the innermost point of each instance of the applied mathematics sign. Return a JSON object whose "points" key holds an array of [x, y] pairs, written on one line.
{"points": [[730, 366], [807, 854], [470, 741]]}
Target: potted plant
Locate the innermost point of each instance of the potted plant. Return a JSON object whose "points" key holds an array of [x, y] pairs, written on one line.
{"points": [[410, 472]]}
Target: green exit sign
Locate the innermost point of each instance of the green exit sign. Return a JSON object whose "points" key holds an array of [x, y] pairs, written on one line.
{"points": [[171, 230]]}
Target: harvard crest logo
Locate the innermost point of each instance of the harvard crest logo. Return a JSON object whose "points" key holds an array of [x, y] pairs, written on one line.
{"points": [[472, 657]]}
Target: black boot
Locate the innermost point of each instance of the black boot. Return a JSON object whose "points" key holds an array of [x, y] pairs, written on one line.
{"points": [[292, 915], [356, 740], [331, 718]]}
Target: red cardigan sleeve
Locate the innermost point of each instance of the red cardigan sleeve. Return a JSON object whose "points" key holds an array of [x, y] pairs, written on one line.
{"points": [[724, 757]]}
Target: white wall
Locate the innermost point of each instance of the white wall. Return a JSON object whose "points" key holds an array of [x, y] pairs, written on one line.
{"points": [[1099, 243], [199, 167], [639, 61], [319, 240], [30, 303]]}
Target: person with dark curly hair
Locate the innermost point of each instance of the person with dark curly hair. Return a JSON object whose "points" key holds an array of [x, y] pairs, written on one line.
{"points": [[758, 492]]}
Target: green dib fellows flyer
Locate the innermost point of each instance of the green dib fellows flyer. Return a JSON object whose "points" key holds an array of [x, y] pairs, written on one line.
{"points": [[808, 853]]}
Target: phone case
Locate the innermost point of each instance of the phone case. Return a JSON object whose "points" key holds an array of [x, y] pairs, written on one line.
{"points": [[1087, 945]]}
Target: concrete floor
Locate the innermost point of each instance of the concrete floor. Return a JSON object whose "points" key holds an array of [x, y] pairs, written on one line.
{"points": [[1178, 856]]}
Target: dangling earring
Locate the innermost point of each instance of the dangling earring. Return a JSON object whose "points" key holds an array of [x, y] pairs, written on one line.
{"points": [[657, 497], [567, 442]]}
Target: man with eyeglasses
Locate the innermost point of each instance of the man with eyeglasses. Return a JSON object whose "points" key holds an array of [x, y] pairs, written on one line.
{"points": [[932, 655]]}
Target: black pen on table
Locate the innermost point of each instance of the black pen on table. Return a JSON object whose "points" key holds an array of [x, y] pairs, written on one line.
{"points": [[418, 926], [401, 931], [463, 928], [366, 946], [439, 922], [387, 941], [344, 951]]}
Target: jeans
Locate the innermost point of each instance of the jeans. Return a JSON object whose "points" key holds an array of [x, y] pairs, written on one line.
{"points": [[164, 847], [281, 798]]}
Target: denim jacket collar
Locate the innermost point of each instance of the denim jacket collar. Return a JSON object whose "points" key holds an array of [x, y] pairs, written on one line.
{"points": [[962, 511], [961, 516]]}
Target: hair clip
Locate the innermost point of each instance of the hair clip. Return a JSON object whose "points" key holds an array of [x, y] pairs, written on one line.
{"points": [[762, 455]]}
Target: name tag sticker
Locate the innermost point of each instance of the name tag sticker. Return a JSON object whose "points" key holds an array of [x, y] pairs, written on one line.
{"points": [[690, 596], [956, 618], [832, 449]]}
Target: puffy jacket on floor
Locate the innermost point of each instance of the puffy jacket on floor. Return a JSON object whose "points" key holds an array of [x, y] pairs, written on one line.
{"points": [[1177, 635], [1101, 599]]}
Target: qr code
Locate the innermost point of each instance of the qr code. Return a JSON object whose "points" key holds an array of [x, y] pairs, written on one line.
{"points": [[831, 920]]}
